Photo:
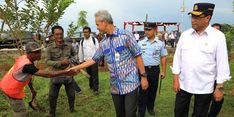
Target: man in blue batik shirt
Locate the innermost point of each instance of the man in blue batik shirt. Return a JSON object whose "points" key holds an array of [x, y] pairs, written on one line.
{"points": [[153, 53], [123, 57]]}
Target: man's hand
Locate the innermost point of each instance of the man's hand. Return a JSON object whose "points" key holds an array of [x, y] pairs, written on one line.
{"points": [[162, 75], [65, 62], [176, 83], [73, 68], [71, 72], [218, 94], [144, 83]]}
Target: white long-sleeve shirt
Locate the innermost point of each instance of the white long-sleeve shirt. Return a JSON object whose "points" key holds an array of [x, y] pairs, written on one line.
{"points": [[88, 50], [200, 60]]}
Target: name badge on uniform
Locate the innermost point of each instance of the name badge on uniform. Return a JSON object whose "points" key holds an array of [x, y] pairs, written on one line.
{"points": [[144, 44], [117, 56]]}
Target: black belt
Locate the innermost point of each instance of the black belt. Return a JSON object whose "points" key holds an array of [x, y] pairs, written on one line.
{"points": [[152, 66]]}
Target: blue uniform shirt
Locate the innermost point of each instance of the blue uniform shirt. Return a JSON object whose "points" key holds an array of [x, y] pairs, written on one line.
{"points": [[119, 51], [152, 51]]}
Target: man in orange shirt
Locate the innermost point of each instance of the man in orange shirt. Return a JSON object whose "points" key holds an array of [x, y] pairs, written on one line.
{"points": [[13, 82]]}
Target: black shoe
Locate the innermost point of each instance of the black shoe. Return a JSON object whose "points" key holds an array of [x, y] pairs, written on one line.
{"points": [[95, 92], [52, 114], [72, 110], [79, 92], [151, 112]]}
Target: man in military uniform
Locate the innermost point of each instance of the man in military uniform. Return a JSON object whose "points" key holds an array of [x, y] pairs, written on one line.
{"points": [[58, 55], [153, 54]]}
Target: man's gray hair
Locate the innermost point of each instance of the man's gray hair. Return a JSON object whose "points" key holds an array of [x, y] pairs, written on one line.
{"points": [[32, 47], [104, 15]]}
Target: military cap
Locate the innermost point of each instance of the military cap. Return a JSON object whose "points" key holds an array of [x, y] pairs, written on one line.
{"points": [[202, 8], [149, 25]]}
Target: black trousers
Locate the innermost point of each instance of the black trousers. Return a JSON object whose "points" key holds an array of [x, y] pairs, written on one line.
{"points": [[53, 95], [147, 97], [201, 104], [76, 87], [172, 43], [93, 80], [126, 105]]}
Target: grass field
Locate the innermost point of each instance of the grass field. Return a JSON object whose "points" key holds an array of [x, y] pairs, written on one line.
{"points": [[89, 105]]}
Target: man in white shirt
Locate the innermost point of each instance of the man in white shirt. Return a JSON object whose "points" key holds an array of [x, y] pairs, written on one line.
{"points": [[200, 59], [87, 48]]}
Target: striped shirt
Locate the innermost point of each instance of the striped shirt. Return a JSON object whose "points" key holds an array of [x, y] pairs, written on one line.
{"points": [[119, 51]]}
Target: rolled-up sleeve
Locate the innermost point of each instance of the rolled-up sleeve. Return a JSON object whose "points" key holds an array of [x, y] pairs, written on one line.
{"points": [[223, 71]]}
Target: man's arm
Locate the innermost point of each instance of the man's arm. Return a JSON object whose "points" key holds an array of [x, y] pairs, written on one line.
{"points": [[30, 85], [50, 74], [31, 69], [83, 65], [140, 65], [176, 66], [223, 71]]}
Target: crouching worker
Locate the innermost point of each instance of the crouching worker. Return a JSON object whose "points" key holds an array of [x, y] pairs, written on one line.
{"points": [[20, 75]]}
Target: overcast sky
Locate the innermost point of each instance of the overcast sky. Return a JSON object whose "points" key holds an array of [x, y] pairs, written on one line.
{"points": [[136, 10]]}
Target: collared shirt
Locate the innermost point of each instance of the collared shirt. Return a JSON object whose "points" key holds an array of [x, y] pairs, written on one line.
{"points": [[87, 50], [55, 54], [200, 60], [152, 51], [119, 51]]}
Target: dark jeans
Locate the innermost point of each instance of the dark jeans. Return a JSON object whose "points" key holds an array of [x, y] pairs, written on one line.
{"points": [[147, 97], [201, 104], [172, 43], [53, 95], [126, 105], [93, 80]]}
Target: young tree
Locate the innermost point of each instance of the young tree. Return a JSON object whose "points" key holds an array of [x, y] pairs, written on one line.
{"points": [[31, 16], [81, 22], [72, 28], [229, 33]]}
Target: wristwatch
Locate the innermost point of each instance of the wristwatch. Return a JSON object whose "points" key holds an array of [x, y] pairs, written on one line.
{"points": [[143, 75]]}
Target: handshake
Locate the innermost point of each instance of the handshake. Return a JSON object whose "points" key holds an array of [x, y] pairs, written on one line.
{"points": [[75, 62]]}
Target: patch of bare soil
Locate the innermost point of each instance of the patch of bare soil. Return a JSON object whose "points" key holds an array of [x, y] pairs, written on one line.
{"points": [[233, 92], [231, 57]]}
